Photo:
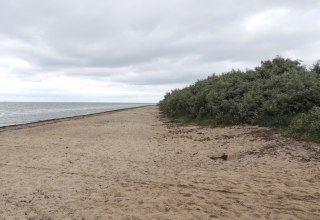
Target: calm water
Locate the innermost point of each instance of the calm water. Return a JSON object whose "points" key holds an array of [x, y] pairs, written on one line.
{"points": [[23, 112]]}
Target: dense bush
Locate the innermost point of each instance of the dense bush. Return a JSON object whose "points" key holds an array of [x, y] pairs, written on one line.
{"points": [[271, 94], [306, 124]]}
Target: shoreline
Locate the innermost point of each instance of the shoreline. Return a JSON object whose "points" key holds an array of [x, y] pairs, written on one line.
{"points": [[55, 120]]}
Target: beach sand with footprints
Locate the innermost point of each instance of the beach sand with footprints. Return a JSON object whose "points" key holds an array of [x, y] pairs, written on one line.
{"points": [[135, 164]]}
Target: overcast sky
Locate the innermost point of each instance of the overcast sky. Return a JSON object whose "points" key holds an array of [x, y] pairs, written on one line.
{"points": [[136, 50]]}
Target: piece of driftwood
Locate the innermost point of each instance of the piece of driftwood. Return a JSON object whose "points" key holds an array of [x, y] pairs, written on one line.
{"points": [[223, 157]]}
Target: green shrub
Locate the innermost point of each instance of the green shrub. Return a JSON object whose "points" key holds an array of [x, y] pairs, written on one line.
{"points": [[271, 94], [316, 67], [306, 124]]}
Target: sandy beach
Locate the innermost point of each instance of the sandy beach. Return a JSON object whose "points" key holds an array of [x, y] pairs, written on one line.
{"points": [[135, 164]]}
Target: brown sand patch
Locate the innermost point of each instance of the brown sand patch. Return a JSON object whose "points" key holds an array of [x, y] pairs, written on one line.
{"points": [[135, 165]]}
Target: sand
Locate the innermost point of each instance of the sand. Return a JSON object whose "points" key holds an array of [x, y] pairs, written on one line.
{"points": [[134, 164]]}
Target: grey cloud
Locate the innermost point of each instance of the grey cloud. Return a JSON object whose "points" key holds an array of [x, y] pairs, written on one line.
{"points": [[144, 42]]}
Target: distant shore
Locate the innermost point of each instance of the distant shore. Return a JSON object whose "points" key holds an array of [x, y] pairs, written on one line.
{"points": [[54, 120], [135, 164]]}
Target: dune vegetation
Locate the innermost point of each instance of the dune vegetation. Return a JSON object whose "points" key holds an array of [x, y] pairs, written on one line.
{"points": [[280, 92]]}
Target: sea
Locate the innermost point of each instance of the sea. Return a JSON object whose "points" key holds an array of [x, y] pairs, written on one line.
{"points": [[12, 113]]}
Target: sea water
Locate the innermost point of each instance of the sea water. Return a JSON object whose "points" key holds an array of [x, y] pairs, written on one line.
{"points": [[12, 113]]}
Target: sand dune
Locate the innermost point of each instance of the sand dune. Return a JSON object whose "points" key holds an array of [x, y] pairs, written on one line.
{"points": [[134, 164]]}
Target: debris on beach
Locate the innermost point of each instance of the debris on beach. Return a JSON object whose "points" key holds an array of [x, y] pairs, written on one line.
{"points": [[223, 157]]}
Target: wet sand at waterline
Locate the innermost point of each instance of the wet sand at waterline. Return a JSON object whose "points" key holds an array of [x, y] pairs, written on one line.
{"points": [[135, 164]]}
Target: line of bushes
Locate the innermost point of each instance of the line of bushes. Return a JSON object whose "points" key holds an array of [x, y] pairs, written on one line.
{"points": [[279, 92]]}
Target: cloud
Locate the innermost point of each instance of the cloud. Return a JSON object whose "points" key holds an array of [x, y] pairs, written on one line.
{"points": [[124, 50]]}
